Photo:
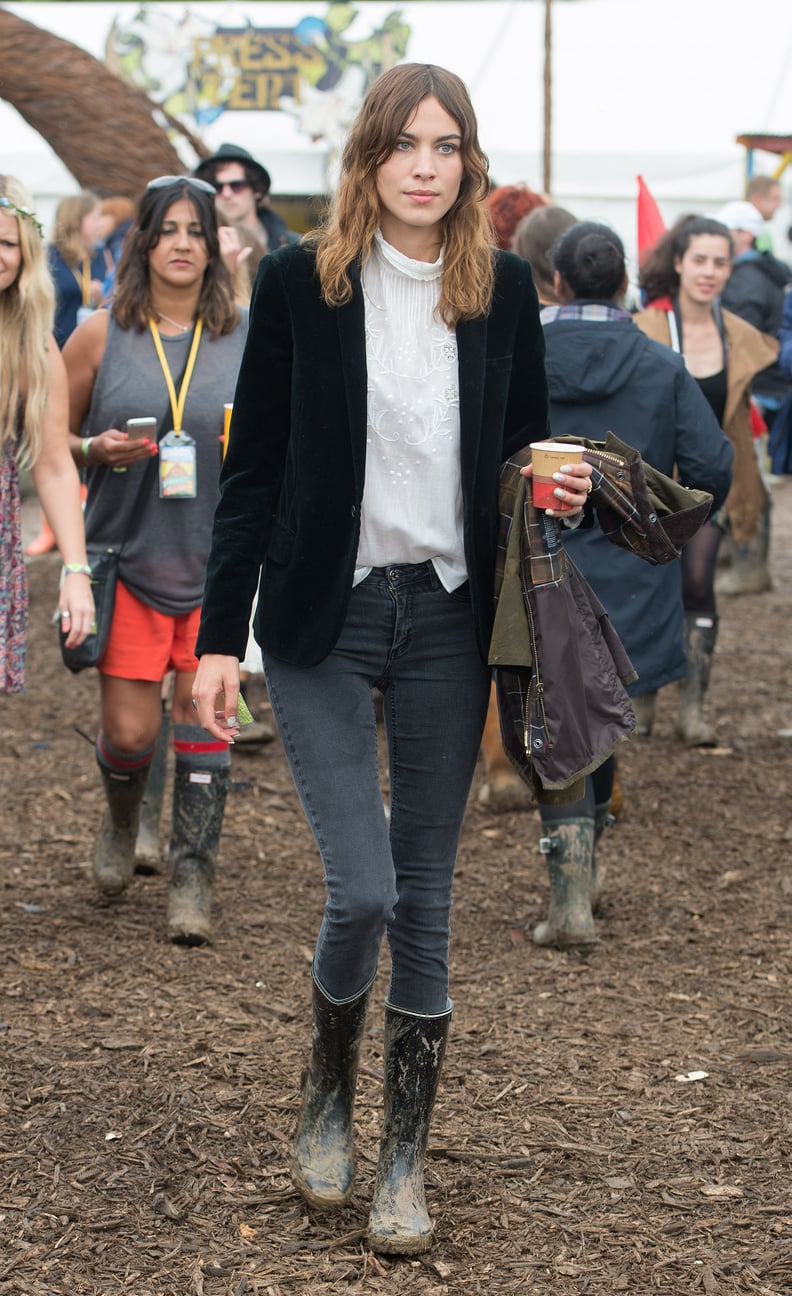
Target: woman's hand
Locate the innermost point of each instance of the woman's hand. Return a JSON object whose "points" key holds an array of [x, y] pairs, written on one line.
{"points": [[215, 694], [119, 450], [76, 606], [573, 488]]}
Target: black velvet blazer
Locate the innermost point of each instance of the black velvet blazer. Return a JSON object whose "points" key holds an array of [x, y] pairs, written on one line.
{"points": [[292, 482]]}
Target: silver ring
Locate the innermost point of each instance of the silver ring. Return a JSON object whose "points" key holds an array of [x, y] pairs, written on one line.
{"points": [[66, 616]]}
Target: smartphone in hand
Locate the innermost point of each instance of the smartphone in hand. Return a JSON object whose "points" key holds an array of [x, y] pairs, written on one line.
{"points": [[142, 427]]}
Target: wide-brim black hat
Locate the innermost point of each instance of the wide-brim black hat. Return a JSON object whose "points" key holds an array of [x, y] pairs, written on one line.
{"points": [[235, 153]]}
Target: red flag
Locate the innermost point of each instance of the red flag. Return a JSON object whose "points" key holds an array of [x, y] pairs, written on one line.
{"points": [[650, 223]]}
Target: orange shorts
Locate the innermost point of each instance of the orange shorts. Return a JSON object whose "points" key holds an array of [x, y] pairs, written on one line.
{"points": [[145, 644]]}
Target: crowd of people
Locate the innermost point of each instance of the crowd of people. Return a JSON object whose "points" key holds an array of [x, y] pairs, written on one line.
{"points": [[396, 364]]}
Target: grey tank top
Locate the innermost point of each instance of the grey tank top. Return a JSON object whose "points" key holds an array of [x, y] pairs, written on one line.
{"points": [[167, 545]]}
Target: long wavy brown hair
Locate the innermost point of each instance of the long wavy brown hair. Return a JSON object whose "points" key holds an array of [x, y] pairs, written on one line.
{"points": [[132, 305], [348, 235]]}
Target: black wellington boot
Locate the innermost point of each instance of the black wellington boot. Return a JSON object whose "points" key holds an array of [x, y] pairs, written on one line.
{"points": [[114, 860], [197, 819], [323, 1157], [148, 857], [692, 726], [399, 1222]]}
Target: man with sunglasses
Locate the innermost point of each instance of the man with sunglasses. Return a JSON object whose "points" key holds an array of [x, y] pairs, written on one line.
{"points": [[242, 184]]}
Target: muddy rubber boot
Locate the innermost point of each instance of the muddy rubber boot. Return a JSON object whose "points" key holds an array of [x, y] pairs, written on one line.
{"points": [[503, 790], [114, 859], [198, 804], [399, 1222], [603, 818], [749, 572], [569, 847], [148, 856], [323, 1156], [692, 727], [644, 708]]}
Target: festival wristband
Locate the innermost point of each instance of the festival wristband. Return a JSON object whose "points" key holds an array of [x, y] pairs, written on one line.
{"points": [[85, 448]]}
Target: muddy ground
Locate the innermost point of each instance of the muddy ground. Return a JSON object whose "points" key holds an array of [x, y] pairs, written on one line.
{"points": [[614, 1123]]}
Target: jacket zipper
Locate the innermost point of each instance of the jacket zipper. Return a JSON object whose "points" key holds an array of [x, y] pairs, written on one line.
{"points": [[606, 454]]}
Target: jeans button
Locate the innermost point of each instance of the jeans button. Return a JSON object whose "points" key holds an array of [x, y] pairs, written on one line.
{"points": [[393, 575]]}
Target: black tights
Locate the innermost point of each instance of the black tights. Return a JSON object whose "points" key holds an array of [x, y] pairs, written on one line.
{"points": [[699, 558], [599, 787]]}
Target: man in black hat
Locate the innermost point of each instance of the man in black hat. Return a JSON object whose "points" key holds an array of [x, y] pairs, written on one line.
{"points": [[243, 186]]}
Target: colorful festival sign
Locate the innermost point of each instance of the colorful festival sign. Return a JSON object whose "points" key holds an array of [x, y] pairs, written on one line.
{"points": [[197, 69]]}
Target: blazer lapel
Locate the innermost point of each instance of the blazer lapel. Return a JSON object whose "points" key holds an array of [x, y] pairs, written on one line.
{"points": [[352, 337], [471, 338]]}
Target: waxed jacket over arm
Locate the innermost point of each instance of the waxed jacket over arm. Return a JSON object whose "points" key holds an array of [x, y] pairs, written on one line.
{"points": [[560, 666], [292, 483]]}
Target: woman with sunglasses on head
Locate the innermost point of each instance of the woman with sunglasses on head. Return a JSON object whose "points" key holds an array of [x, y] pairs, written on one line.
{"points": [[34, 433], [403, 362], [168, 348]]}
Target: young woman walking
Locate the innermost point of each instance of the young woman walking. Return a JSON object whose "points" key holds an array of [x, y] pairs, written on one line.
{"points": [[394, 361], [34, 432], [169, 348]]}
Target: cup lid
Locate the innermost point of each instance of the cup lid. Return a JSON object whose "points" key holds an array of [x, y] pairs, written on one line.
{"points": [[562, 447]]}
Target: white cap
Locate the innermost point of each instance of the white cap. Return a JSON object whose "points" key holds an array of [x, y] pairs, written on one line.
{"points": [[741, 216]]}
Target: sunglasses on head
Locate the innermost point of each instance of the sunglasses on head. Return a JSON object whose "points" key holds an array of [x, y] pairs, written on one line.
{"points": [[165, 182], [236, 186]]}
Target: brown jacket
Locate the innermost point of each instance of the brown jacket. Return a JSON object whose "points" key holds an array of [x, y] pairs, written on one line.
{"points": [[749, 352]]}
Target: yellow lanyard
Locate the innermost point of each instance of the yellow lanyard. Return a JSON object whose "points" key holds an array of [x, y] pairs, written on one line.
{"points": [[177, 403]]}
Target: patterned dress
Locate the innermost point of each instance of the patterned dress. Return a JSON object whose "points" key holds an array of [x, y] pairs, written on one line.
{"points": [[13, 578]]}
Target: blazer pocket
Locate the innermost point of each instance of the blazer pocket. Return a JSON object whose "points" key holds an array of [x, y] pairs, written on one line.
{"points": [[281, 544]]}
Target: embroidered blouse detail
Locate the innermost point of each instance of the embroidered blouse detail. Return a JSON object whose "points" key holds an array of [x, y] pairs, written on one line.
{"points": [[412, 505]]}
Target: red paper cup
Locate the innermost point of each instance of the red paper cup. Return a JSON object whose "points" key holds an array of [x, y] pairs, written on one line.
{"points": [[547, 458]]}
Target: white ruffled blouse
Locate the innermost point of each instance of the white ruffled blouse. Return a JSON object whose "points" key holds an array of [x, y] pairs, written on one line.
{"points": [[412, 500]]}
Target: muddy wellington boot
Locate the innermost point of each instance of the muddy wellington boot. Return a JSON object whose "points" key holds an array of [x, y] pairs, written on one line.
{"points": [[569, 847], [323, 1157], [692, 727], [199, 798], [749, 572], [148, 857], [399, 1222], [114, 859]]}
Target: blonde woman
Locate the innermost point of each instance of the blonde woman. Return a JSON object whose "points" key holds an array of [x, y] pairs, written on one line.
{"points": [[78, 272], [394, 360], [33, 431]]}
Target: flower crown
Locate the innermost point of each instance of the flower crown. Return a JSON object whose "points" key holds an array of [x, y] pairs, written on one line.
{"points": [[24, 212]]}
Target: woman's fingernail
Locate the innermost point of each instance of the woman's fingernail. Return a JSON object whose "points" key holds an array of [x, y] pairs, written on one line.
{"points": [[557, 477], [559, 494]]}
